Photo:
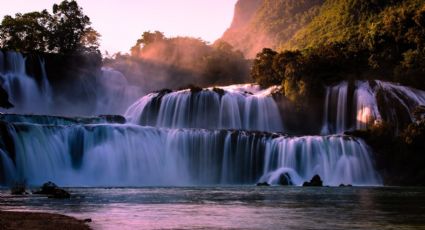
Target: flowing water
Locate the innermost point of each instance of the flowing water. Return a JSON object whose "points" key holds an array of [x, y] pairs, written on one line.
{"points": [[34, 95], [25, 93], [131, 155], [236, 207], [219, 141], [233, 107], [354, 106]]}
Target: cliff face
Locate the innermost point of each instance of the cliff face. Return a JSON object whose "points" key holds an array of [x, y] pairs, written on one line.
{"points": [[268, 23], [244, 11], [239, 33]]}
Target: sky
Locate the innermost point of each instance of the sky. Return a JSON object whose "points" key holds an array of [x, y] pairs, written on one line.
{"points": [[121, 22]]}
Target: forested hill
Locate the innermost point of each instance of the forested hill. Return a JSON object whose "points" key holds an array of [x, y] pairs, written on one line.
{"points": [[299, 24], [268, 23]]}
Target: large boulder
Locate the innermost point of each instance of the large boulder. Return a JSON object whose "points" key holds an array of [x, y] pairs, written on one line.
{"points": [[18, 189], [285, 179], [53, 191], [316, 181], [263, 184]]}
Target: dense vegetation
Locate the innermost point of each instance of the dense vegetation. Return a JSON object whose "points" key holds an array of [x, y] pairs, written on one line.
{"points": [[399, 156], [392, 47], [268, 23], [66, 31], [157, 61]]}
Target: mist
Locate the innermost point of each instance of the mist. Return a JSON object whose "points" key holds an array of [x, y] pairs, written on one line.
{"points": [[174, 63]]}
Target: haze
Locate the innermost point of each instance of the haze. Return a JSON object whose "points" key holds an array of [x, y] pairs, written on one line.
{"points": [[121, 22]]}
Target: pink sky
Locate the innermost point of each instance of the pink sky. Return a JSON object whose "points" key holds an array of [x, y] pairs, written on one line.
{"points": [[121, 22]]}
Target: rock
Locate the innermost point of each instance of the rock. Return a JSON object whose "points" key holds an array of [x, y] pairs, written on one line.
{"points": [[59, 194], [194, 88], [316, 181], [18, 189], [263, 184], [53, 191], [285, 179], [347, 185], [47, 188], [219, 91], [114, 119], [88, 220]]}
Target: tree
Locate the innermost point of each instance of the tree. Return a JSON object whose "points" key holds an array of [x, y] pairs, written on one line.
{"points": [[66, 31], [262, 69], [71, 29], [146, 39], [26, 32]]}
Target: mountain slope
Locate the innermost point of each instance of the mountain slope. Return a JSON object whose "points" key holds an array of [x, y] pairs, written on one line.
{"points": [[299, 24], [268, 23]]}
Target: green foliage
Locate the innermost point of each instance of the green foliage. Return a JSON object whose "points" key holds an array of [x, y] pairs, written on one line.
{"points": [[262, 71], [179, 61], [146, 39], [367, 40], [65, 31], [339, 21], [303, 74], [280, 20], [414, 134], [270, 23], [26, 32]]}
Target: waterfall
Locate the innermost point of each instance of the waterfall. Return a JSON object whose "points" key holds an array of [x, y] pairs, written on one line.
{"points": [[132, 155], [369, 101], [217, 135], [25, 93], [112, 93], [233, 107]]}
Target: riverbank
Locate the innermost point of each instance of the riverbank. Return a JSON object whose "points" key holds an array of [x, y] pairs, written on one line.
{"points": [[36, 220]]}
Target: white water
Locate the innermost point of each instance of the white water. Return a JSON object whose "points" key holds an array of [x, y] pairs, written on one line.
{"points": [[364, 106], [110, 89], [240, 107], [189, 143], [114, 94], [128, 155], [24, 92]]}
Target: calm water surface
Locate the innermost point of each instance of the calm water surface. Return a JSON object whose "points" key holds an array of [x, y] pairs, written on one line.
{"points": [[243, 207]]}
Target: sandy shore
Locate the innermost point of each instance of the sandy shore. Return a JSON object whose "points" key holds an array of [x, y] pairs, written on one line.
{"points": [[34, 220]]}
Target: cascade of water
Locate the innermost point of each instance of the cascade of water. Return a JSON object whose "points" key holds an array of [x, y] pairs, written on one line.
{"points": [[379, 101], [131, 155], [190, 142], [113, 92], [233, 107], [24, 92]]}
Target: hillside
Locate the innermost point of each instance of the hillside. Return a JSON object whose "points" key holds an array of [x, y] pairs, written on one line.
{"points": [[291, 24], [268, 23]]}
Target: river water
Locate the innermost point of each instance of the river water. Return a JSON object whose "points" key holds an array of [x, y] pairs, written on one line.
{"points": [[235, 207]]}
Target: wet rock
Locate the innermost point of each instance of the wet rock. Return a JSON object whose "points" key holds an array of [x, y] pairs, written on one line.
{"points": [[219, 91], [194, 88], [18, 189], [60, 194], [316, 181], [47, 188], [114, 119], [263, 184], [53, 191], [285, 179], [347, 185]]}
